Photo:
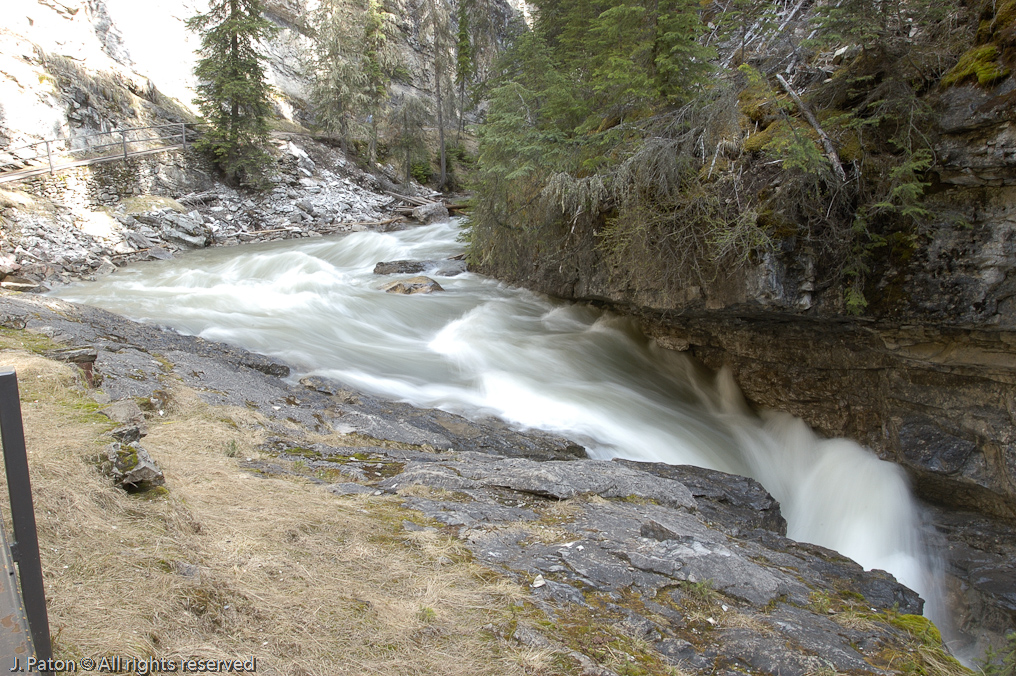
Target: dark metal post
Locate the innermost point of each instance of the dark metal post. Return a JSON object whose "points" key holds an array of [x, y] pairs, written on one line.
{"points": [[49, 156], [123, 140], [26, 550]]}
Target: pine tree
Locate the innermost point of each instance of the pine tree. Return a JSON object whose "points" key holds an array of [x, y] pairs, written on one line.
{"points": [[233, 95], [339, 81]]}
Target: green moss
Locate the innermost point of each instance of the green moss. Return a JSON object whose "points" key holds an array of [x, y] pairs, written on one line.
{"points": [[919, 627], [980, 64], [758, 141]]}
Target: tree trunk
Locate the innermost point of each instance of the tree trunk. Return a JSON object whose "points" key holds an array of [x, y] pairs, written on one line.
{"points": [[440, 128], [372, 154], [462, 110], [405, 137], [234, 112]]}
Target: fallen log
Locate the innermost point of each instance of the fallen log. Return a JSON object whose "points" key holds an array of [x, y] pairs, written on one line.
{"points": [[831, 153]]}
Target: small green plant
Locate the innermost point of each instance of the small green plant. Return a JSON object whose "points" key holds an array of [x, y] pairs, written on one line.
{"points": [[232, 450], [702, 590], [426, 615], [1001, 664], [421, 171]]}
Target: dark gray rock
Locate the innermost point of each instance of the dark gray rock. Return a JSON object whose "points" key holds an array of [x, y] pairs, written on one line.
{"points": [[400, 267]]}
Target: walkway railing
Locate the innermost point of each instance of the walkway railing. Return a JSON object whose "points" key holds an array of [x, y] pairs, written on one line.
{"points": [[51, 155], [27, 605]]}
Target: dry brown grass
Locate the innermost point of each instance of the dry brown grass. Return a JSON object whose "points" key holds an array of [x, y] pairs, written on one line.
{"points": [[229, 564]]}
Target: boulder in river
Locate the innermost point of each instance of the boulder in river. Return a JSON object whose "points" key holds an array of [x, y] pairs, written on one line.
{"points": [[446, 268], [431, 213], [413, 286], [400, 267]]}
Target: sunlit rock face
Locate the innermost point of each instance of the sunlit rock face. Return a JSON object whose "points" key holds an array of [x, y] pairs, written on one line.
{"points": [[74, 67]]}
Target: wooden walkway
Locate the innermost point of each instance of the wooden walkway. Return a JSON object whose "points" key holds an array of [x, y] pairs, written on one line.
{"points": [[21, 174]]}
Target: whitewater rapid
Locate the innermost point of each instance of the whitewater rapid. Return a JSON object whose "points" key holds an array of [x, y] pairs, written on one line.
{"points": [[482, 348]]}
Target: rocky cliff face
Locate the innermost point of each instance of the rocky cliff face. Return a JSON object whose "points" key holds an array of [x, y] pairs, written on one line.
{"points": [[927, 378], [69, 68]]}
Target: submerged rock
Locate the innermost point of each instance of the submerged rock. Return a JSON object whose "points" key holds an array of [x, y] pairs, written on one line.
{"points": [[413, 286]]}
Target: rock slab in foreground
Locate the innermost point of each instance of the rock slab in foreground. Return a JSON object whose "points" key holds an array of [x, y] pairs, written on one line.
{"points": [[691, 564], [636, 550]]}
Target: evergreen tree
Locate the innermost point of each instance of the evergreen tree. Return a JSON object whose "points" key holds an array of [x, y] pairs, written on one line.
{"points": [[465, 68], [406, 135], [338, 90], [378, 63], [441, 28], [233, 95]]}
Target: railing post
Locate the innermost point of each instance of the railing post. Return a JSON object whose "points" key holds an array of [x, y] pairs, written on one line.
{"points": [[12, 435], [183, 134], [123, 140], [49, 156]]}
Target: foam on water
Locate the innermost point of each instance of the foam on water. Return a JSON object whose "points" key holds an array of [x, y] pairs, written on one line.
{"points": [[484, 348]]}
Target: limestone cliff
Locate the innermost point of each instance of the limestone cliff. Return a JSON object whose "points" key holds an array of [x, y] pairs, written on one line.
{"points": [[69, 68]]}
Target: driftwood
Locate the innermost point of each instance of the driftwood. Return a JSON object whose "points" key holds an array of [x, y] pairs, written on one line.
{"points": [[415, 201], [834, 158], [198, 197]]}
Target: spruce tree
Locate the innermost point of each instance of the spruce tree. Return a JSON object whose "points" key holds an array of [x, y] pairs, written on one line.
{"points": [[339, 80], [442, 35], [464, 66], [378, 63], [233, 94], [406, 136]]}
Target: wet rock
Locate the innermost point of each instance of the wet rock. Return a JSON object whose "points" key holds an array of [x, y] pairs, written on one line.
{"points": [[448, 268], [431, 213], [413, 286], [400, 267]]}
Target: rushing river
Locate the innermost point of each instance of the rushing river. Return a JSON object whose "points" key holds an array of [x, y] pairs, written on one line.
{"points": [[484, 348]]}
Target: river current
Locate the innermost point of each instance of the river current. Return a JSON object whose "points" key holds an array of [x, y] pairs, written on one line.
{"points": [[484, 348]]}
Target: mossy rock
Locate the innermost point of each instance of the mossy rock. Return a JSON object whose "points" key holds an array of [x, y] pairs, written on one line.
{"points": [[980, 64], [920, 627]]}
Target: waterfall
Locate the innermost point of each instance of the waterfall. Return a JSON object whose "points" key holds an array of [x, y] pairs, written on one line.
{"points": [[482, 348]]}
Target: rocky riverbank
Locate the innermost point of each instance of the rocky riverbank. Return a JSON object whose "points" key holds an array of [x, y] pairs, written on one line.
{"points": [[635, 568], [60, 229]]}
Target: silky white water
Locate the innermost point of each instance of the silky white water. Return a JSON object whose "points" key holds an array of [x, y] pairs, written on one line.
{"points": [[484, 348]]}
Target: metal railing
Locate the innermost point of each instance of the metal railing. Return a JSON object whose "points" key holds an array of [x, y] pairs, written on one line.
{"points": [[52, 153], [24, 550]]}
